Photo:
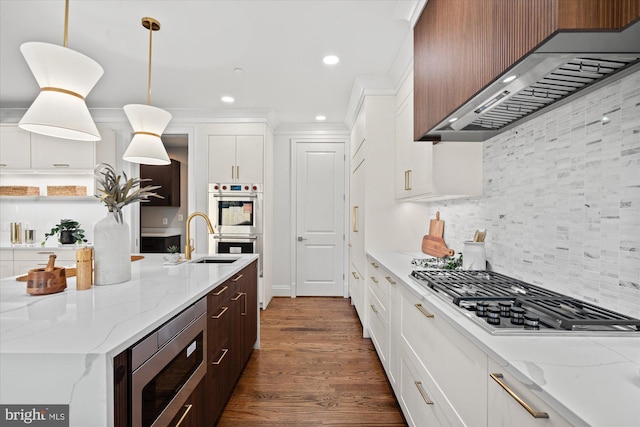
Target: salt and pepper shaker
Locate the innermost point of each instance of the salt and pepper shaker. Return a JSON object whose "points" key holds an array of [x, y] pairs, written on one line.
{"points": [[84, 269]]}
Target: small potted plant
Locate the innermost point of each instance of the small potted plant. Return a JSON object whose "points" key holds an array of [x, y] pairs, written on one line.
{"points": [[69, 232], [174, 254]]}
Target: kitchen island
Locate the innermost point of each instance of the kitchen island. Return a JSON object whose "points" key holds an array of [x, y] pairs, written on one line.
{"points": [[59, 348], [587, 379]]}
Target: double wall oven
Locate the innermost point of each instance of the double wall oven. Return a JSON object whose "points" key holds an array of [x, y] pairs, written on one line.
{"points": [[236, 212]]}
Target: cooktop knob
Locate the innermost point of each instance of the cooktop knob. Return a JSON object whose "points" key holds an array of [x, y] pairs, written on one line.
{"points": [[531, 322], [493, 315], [505, 308], [481, 308], [517, 315]]}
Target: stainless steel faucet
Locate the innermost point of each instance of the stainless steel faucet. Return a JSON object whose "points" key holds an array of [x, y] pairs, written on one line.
{"points": [[188, 247]]}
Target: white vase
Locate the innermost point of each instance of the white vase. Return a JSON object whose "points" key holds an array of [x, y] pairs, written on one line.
{"points": [[474, 256], [112, 251]]}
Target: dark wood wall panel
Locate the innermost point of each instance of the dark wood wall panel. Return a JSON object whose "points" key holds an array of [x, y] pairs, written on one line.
{"points": [[597, 14], [629, 12]]}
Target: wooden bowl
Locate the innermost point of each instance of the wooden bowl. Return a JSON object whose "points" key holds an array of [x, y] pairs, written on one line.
{"points": [[41, 282]]}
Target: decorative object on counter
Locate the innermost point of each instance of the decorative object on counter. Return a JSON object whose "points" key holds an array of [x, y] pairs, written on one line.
{"points": [[84, 268], [112, 248], [69, 232], [445, 263], [19, 190], [174, 255], [148, 122], [433, 243], [66, 190], [71, 272], [16, 233], [29, 237], [474, 256], [48, 280]]}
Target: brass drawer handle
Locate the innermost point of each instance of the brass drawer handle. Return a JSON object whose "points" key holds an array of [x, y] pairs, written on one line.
{"points": [[188, 408], [354, 220], [219, 315], [237, 278], [423, 311], [375, 265], [224, 353], [373, 307], [61, 165], [355, 276], [374, 280], [221, 291], [423, 393], [45, 253], [237, 297], [497, 377], [390, 280], [407, 179]]}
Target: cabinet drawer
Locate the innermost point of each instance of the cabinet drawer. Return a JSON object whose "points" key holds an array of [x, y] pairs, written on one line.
{"points": [[378, 283], [356, 291], [378, 329], [457, 366], [422, 401], [504, 410], [42, 255]]}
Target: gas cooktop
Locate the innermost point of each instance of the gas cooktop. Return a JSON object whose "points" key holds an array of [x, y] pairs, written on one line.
{"points": [[502, 304]]}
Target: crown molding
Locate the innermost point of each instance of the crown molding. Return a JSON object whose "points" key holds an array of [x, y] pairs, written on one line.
{"points": [[319, 129]]}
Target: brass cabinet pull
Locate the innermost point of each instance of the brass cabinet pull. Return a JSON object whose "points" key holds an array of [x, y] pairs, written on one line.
{"points": [[232, 173], [237, 172], [219, 315], [423, 393], [4, 165], [244, 294], [354, 220], [60, 165], [221, 291], [224, 353], [375, 265], [373, 307], [235, 279], [45, 253], [237, 297], [390, 280], [374, 280], [407, 179], [497, 377], [423, 311], [188, 408], [355, 276]]}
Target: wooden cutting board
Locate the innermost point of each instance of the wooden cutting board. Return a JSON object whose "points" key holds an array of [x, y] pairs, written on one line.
{"points": [[71, 271], [433, 244]]}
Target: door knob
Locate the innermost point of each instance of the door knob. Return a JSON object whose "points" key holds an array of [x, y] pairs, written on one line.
{"points": [[300, 238]]}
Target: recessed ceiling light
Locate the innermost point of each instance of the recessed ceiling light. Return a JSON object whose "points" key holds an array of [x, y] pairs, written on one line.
{"points": [[321, 118], [453, 119], [227, 99], [330, 59], [238, 70], [509, 79]]}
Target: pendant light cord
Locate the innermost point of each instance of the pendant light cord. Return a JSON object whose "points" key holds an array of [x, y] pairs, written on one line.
{"points": [[66, 23], [149, 78]]}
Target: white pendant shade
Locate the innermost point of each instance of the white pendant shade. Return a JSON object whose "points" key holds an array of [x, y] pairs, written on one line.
{"points": [[65, 78], [148, 123]]}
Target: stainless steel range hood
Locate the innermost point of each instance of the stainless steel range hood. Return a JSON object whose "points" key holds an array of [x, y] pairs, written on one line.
{"points": [[568, 64]]}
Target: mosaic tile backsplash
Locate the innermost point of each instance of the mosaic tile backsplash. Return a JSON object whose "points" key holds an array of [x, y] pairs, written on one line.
{"points": [[561, 199]]}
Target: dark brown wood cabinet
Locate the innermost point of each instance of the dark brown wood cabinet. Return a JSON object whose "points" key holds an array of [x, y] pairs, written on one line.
{"points": [[461, 46], [232, 308], [168, 177], [193, 410], [158, 244]]}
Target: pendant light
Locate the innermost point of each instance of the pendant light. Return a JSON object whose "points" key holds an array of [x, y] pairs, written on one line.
{"points": [[147, 122], [65, 78]]}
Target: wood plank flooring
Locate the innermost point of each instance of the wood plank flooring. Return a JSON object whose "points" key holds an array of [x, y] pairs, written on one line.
{"points": [[313, 369]]}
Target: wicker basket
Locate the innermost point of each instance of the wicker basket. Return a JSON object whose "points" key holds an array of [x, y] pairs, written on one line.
{"points": [[66, 190], [19, 190]]}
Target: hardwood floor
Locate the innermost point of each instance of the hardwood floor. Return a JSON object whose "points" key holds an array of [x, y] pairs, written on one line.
{"points": [[313, 369]]}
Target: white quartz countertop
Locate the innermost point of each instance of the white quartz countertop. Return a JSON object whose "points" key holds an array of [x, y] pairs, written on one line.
{"points": [[590, 380], [58, 348]]}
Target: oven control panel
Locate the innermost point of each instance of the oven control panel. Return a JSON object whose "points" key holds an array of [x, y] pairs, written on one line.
{"points": [[235, 188]]}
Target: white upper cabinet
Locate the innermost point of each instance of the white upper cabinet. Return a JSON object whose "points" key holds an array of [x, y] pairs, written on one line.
{"points": [[55, 153], [15, 148], [236, 158], [427, 171]]}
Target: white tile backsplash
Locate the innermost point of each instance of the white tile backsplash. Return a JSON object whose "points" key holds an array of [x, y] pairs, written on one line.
{"points": [[561, 199]]}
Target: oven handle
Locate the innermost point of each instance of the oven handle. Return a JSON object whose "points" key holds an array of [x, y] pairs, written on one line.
{"points": [[235, 196], [230, 238]]}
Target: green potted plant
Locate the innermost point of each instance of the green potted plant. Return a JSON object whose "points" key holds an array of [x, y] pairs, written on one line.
{"points": [[69, 232], [174, 254]]}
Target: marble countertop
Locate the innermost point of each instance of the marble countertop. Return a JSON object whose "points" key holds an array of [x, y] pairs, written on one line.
{"points": [[590, 380], [58, 348]]}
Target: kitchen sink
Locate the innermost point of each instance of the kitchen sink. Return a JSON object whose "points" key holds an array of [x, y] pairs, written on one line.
{"points": [[215, 260]]}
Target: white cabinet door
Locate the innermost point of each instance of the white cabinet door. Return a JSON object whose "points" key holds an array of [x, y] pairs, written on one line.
{"points": [[505, 411], [249, 159], [378, 328], [15, 148], [356, 291], [394, 330], [222, 158], [457, 366], [6, 269], [56, 153]]}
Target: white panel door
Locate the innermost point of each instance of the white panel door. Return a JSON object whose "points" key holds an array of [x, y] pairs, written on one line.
{"points": [[320, 195]]}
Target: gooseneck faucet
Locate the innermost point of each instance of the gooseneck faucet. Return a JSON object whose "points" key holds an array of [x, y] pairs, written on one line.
{"points": [[188, 247]]}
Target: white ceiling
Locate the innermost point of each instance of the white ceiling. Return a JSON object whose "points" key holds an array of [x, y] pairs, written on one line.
{"points": [[278, 43]]}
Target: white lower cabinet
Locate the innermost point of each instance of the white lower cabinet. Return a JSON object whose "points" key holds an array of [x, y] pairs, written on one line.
{"points": [[6, 263], [356, 291], [519, 406], [378, 329]]}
